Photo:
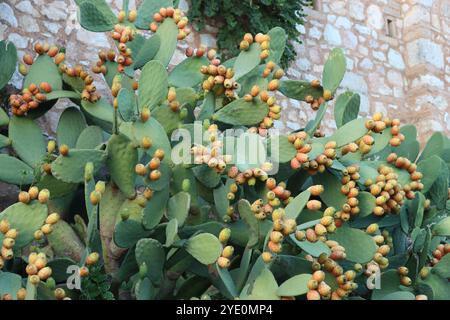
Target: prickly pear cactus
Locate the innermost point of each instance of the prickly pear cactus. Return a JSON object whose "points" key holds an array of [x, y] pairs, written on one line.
{"points": [[176, 186]]}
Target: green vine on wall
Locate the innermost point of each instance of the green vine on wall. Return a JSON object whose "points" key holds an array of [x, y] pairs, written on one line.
{"points": [[238, 17]]}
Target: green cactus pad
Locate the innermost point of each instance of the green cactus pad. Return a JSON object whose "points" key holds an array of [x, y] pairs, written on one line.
{"points": [[10, 283], [59, 94], [75, 83], [207, 176], [313, 248], [389, 283], [435, 146], [187, 96], [299, 90], [178, 207], [221, 201], [346, 108], [430, 168], [246, 213], [27, 140], [208, 106], [70, 125], [359, 246], [100, 113], [442, 228], [167, 118], [350, 132], [153, 130], [4, 119], [96, 16], [296, 205], [59, 268], [90, 138], [127, 104], [8, 61], [187, 73], [70, 168], [4, 141], [334, 70], [122, 159], [153, 85], [151, 252], [332, 194], [65, 242], [164, 180], [168, 32], [278, 40], [247, 61], [253, 79], [144, 289], [26, 218], [436, 287], [204, 247], [146, 11], [265, 287], [171, 232], [442, 268], [57, 188], [15, 171], [240, 112], [154, 211], [295, 286], [127, 233], [366, 203], [147, 51], [312, 126], [285, 151], [44, 69]]}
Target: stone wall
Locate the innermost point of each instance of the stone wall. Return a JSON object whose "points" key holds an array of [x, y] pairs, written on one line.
{"points": [[398, 53], [398, 59]]}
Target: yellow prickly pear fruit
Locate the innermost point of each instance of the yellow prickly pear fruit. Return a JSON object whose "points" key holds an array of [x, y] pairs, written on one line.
{"points": [[95, 197], [51, 146], [64, 150], [23, 69], [46, 229], [21, 294], [224, 235], [132, 15], [145, 114], [327, 95], [223, 262], [4, 226], [146, 143], [372, 228], [34, 280], [24, 197], [60, 293], [227, 252], [121, 16], [44, 273], [92, 258], [267, 257], [52, 218], [100, 186], [11, 233]]}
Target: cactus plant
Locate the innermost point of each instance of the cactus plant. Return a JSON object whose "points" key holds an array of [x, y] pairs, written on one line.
{"points": [[313, 218]]}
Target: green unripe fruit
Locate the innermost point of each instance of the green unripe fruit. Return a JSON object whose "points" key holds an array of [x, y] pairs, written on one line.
{"points": [[88, 171], [143, 269], [186, 185]]}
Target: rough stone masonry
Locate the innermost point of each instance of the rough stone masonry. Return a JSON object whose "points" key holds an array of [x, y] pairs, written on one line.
{"points": [[398, 53]]}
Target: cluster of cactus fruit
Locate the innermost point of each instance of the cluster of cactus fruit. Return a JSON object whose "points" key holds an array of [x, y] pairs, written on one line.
{"points": [[107, 196]]}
